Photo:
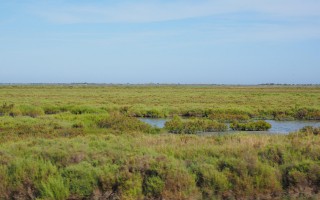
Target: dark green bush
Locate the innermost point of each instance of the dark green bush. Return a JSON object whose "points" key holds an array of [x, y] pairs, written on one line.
{"points": [[81, 178], [153, 186], [250, 126]]}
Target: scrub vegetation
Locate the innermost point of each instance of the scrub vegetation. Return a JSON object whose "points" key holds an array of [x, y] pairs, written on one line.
{"points": [[85, 142], [250, 126]]}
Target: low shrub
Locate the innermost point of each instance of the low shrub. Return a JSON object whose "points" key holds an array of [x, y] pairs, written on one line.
{"points": [[192, 126], [29, 178], [81, 178], [307, 114], [32, 111], [9, 109], [153, 186], [272, 154], [120, 122], [193, 113], [309, 130], [175, 125], [283, 115], [79, 124], [251, 126], [302, 175], [51, 109], [78, 110], [210, 181], [54, 188], [226, 117], [142, 111], [6, 108]]}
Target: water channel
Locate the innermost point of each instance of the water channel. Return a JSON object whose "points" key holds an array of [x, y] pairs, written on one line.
{"points": [[280, 127]]}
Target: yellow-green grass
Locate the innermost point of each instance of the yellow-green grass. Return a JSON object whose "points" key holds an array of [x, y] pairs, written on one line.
{"points": [[219, 102], [161, 166]]}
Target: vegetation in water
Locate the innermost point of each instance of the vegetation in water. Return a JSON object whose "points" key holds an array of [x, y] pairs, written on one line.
{"points": [[192, 126], [250, 126]]}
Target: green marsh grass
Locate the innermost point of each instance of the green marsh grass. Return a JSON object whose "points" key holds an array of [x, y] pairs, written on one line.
{"points": [[84, 142]]}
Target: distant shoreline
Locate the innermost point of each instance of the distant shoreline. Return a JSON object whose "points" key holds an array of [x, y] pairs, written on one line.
{"points": [[154, 84]]}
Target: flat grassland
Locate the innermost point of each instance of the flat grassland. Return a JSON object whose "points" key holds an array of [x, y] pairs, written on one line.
{"points": [[85, 142], [161, 101]]}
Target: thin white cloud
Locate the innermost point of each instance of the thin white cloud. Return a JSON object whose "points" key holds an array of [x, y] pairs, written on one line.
{"points": [[277, 19], [153, 11]]}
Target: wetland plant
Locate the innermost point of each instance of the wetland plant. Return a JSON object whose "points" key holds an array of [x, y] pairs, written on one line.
{"points": [[192, 126], [250, 126]]}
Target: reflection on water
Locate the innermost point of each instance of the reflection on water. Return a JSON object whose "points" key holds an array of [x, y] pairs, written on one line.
{"points": [[283, 127]]}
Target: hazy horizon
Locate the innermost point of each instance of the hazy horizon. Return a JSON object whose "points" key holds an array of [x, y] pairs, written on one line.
{"points": [[168, 42]]}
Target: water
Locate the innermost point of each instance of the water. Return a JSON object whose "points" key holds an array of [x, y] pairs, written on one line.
{"points": [[282, 127], [154, 121], [290, 126]]}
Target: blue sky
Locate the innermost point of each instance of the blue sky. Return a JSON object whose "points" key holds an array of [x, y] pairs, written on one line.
{"points": [[153, 41]]}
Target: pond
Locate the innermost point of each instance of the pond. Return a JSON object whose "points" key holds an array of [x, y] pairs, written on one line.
{"points": [[282, 127]]}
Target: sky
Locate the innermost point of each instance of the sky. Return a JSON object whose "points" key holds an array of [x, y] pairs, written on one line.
{"points": [[160, 41]]}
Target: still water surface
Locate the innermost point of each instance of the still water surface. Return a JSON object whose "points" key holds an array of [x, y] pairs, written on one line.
{"points": [[282, 127]]}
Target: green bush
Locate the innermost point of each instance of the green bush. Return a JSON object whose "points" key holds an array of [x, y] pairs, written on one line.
{"points": [[309, 130], [108, 177], [193, 113], [54, 188], [273, 155], [175, 125], [154, 113], [307, 114], [81, 178], [4, 190], [9, 109], [79, 124], [192, 126], [49, 109], [130, 186], [250, 126], [117, 121], [30, 177], [6, 108], [153, 186], [229, 117], [211, 182], [31, 111], [78, 110], [302, 174]]}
